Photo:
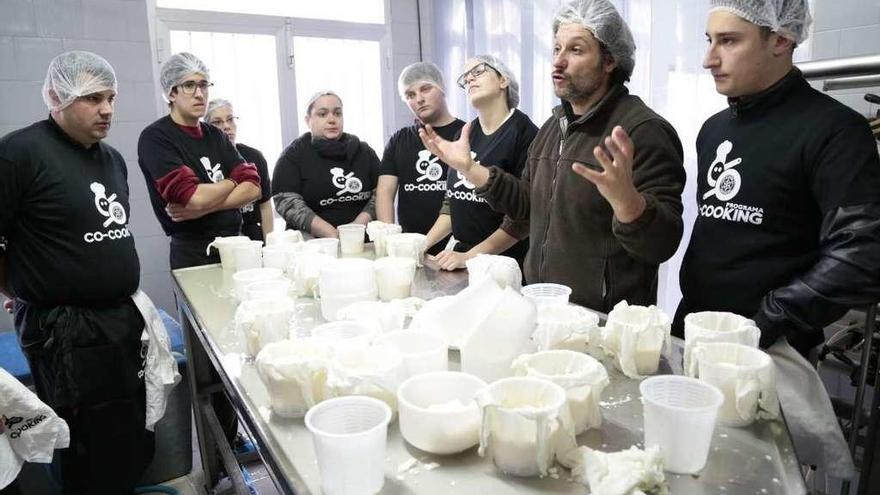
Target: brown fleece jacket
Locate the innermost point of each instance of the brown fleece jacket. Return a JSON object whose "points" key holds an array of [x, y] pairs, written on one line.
{"points": [[574, 238]]}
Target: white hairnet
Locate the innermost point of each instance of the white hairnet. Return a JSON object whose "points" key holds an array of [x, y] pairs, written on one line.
{"points": [[75, 74], [215, 104], [179, 67], [318, 94], [602, 19], [419, 72], [512, 83], [788, 18]]}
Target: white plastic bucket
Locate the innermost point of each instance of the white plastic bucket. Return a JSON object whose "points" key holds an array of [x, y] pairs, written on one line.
{"points": [[525, 425], [340, 335], [680, 414], [409, 245], [439, 413], [373, 371], [583, 378], [350, 435], [284, 237], [635, 336], [263, 321], [378, 231], [717, 326], [746, 377], [566, 327], [295, 374], [279, 255], [503, 269], [248, 255]]}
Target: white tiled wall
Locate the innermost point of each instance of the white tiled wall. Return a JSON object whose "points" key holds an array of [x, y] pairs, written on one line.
{"points": [[32, 32], [847, 28]]}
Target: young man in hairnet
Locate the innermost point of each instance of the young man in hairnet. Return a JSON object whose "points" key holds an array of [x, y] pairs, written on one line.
{"points": [[788, 229], [409, 170], [789, 186], [71, 266], [196, 179], [601, 191]]}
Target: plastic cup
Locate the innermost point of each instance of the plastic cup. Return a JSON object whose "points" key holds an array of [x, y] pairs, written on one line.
{"points": [[394, 277], [350, 436], [248, 255], [547, 294], [351, 238], [680, 414], [422, 352], [327, 245]]}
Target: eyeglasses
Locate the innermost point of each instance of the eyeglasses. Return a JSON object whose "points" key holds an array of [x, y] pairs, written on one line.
{"points": [[189, 87], [219, 122], [475, 72]]}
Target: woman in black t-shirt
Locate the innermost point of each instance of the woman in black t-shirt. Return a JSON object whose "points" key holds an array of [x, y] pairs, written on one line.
{"points": [[501, 135], [256, 217], [325, 178]]}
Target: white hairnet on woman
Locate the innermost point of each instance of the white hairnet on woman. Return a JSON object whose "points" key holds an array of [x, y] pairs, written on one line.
{"points": [[419, 72], [788, 18], [74, 74], [602, 19], [215, 104], [179, 67], [512, 83]]}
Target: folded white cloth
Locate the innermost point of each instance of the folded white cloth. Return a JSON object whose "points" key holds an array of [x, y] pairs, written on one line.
{"points": [[31, 430], [627, 472], [160, 371]]}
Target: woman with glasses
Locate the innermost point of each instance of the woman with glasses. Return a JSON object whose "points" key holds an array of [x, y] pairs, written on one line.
{"points": [[256, 217], [326, 177], [500, 135]]}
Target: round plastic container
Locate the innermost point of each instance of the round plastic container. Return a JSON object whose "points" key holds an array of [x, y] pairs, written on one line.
{"points": [[547, 294], [224, 245], [635, 336], [373, 371], [378, 231], [385, 317], [717, 326], [248, 255], [328, 245], [295, 374], [241, 280], [525, 425], [332, 304], [680, 414], [582, 376], [746, 377], [566, 327], [350, 435], [351, 238], [394, 277], [422, 352], [347, 276], [439, 413], [344, 334], [263, 321], [305, 269], [268, 289]]}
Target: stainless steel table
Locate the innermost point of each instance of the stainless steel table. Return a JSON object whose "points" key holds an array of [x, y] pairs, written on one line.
{"points": [[755, 460]]}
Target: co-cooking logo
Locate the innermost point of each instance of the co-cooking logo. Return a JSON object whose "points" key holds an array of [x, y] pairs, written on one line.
{"points": [[347, 184], [16, 425], [213, 171], [108, 207], [725, 183]]}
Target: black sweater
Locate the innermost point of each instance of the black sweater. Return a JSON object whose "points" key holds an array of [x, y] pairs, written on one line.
{"points": [[788, 230]]}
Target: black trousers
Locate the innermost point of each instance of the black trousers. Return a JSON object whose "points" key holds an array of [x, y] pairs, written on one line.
{"points": [[185, 253], [87, 364]]}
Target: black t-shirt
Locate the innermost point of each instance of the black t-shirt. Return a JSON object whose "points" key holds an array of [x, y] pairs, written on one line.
{"points": [[163, 147], [767, 174], [421, 176], [335, 177], [250, 213], [473, 220], [64, 212]]}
